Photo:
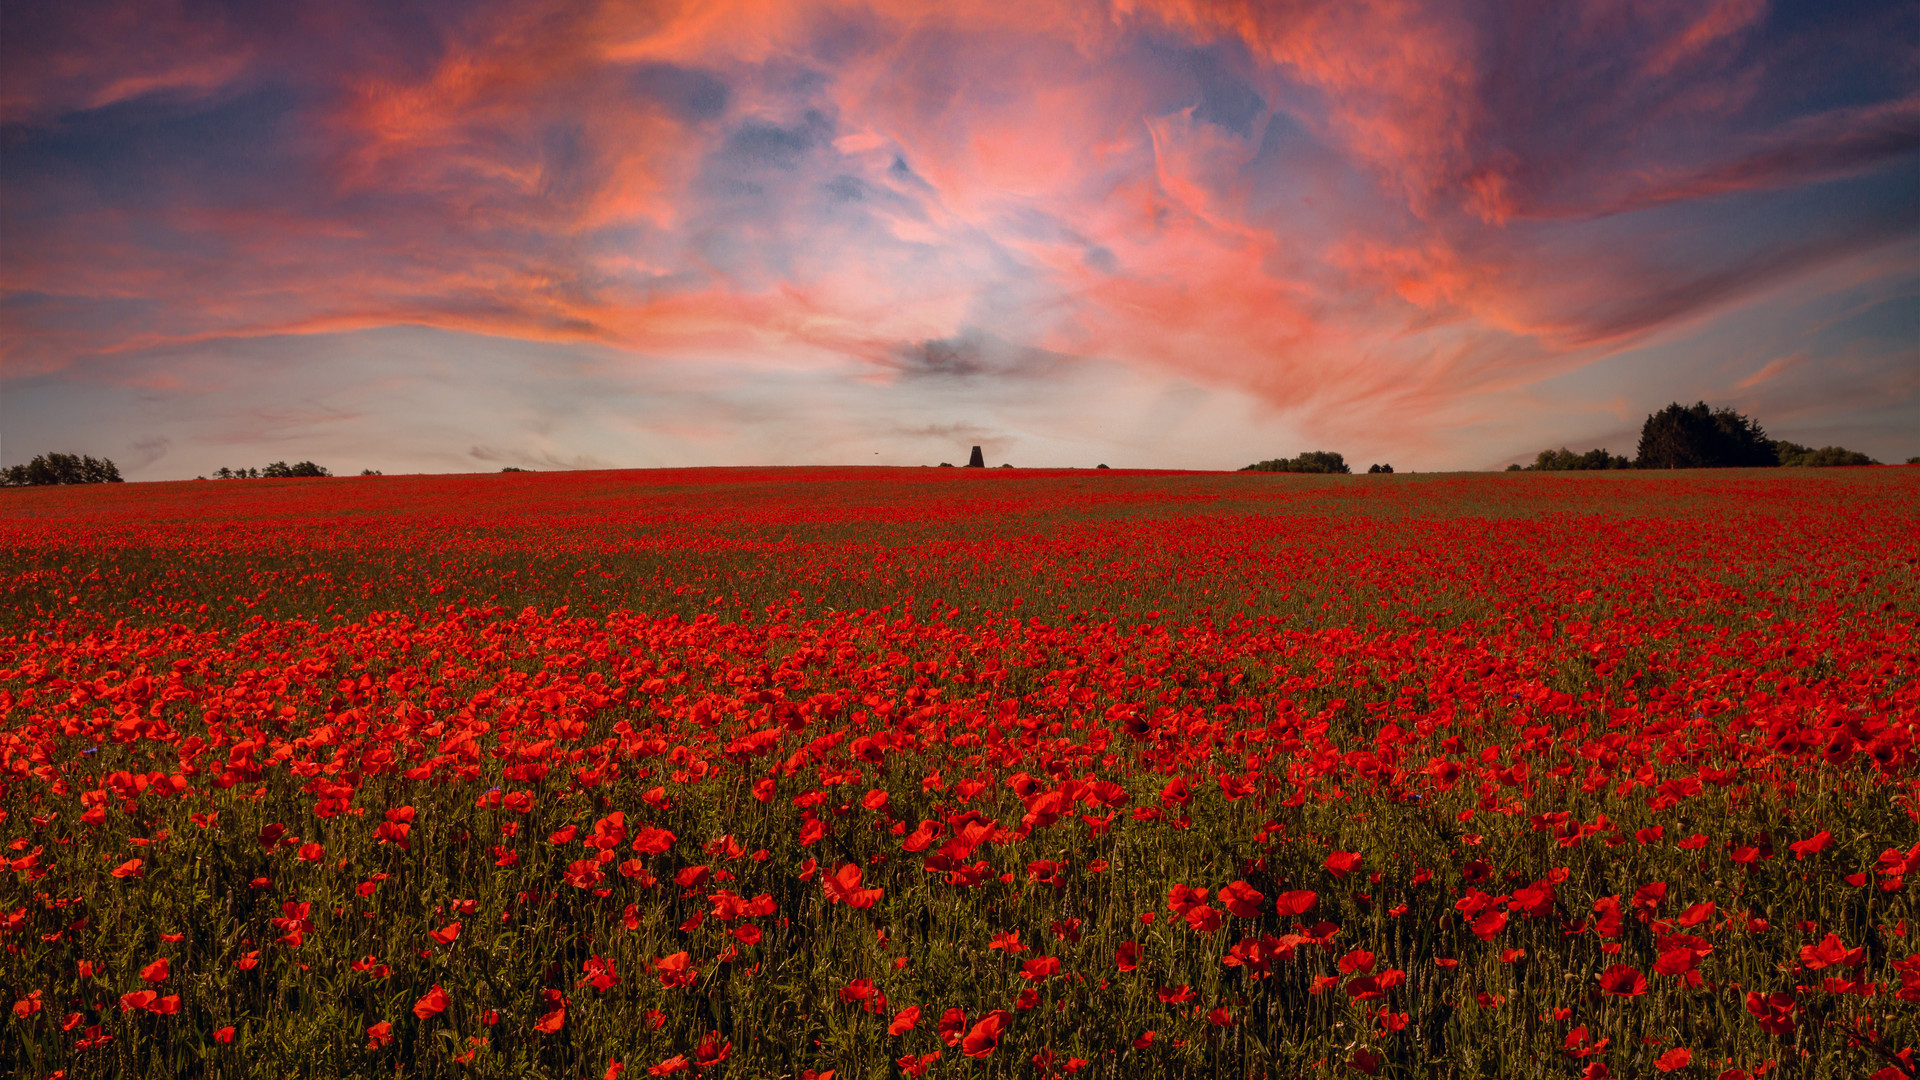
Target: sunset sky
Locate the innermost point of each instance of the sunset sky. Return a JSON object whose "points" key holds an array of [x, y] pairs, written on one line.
{"points": [[453, 236]]}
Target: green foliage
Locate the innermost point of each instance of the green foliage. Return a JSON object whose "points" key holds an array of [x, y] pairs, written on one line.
{"points": [[1379, 468], [60, 469], [1696, 437], [279, 470], [1313, 461], [282, 470], [1797, 456], [1565, 460]]}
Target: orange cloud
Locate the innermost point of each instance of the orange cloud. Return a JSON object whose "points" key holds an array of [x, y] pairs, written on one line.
{"points": [[1364, 207]]}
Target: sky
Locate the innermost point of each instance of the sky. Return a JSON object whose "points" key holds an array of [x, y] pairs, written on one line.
{"points": [[459, 236]]}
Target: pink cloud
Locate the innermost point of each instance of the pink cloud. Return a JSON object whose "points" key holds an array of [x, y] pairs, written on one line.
{"points": [[1404, 207]]}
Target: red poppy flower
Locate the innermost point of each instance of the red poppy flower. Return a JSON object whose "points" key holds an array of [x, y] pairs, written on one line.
{"points": [[584, 874], [1696, 914], [1489, 924], [676, 970], [952, 1023], [1295, 904], [1183, 898], [1812, 845], [905, 1020], [1831, 952], [844, 887], [1623, 980], [1342, 863], [1040, 967], [1774, 1012], [378, 1035], [711, 1051], [986, 1035], [432, 1004], [1204, 919], [1242, 899], [155, 972]]}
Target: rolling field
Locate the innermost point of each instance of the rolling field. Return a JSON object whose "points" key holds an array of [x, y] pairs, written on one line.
{"points": [[949, 773]]}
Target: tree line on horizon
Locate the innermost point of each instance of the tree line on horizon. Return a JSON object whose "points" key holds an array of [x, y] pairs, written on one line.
{"points": [[47, 469], [1697, 437], [1313, 461], [1676, 437], [278, 470]]}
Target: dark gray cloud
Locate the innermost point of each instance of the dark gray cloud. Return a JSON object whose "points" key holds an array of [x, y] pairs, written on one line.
{"points": [[691, 94]]}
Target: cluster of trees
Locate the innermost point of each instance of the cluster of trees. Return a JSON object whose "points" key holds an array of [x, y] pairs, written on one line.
{"points": [[1697, 437], [276, 471], [1793, 455], [1313, 461], [1565, 460], [60, 469]]}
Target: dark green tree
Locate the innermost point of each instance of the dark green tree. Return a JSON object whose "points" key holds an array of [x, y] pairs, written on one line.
{"points": [[61, 469], [1313, 461], [282, 470], [1565, 460], [1793, 454], [1696, 437]]}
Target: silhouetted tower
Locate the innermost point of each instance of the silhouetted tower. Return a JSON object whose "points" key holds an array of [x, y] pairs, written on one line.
{"points": [[977, 461]]}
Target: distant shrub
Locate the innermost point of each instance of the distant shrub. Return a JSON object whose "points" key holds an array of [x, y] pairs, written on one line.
{"points": [[1565, 460], [1795, 455], [1313, 461], [1379, 468]]}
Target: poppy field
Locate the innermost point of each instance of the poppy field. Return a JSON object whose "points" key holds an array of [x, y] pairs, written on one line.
{"points": [[872, 773]]}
